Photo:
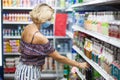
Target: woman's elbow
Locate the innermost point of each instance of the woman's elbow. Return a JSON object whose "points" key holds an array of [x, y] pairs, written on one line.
{"points": [[57, 56], [61, 58]]}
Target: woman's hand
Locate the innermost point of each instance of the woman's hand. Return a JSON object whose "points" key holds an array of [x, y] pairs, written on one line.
{"points": [[83, 65]]}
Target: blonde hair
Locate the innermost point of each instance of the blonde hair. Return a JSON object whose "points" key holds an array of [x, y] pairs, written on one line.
{"points": [[41, 13]]}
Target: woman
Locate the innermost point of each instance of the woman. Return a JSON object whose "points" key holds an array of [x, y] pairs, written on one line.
{"points": [[34, 46]]}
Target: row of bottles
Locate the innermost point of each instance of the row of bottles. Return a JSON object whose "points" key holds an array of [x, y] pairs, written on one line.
{"points": [[8, 31], [16, 16], [106, 23], [32, 3], [16, 30], [98, 51], [47, 32], [71, 2], [25, 3]]}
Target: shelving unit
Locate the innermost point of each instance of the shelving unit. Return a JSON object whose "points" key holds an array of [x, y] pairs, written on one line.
{"points": [[110, 40], [80, 75], [1, 35], [27, 8], [43, 75], [12, 54], [12, 37], [19, 37], [96, 2], [17, 8], [70, 34], [94, 65], [95, 6], [54, 38], [7, 22]]}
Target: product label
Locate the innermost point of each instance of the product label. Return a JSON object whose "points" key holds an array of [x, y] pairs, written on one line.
{"points": [[105, 29], [65, 72]]}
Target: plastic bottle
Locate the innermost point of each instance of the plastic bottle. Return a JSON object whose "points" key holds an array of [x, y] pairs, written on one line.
{"points": [[62, 3], [14, 3], [9, 3], [10, 17], [21, 3], [18, 3], [28, 3], [80, 1], [18, 19], [26, 17], [4, 16], [5, 3], [15, 17], [66, 71]]}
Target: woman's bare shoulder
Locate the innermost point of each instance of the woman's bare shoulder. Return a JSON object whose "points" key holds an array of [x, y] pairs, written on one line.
{"points": [[39, 38]]}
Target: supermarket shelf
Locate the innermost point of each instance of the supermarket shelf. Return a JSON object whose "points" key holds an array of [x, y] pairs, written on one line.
{"points": [[110, 40], [43, 75], [19, 37], [12, 37], [11, 53], [62, 37], [17, 8], [9, 75], [94, 65], [69, 10], [80, 75], [27, 8], [7, 22], [70, 34], [59, 8], [96, 2]]}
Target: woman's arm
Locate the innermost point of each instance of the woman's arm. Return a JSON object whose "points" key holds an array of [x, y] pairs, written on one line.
{"points": [[55, 55], [40, 39]]}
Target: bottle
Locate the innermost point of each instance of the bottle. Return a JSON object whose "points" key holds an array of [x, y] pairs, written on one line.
{"points": [[14, 3], [9, 3], [80, 1], [10, 17], [95, 75], [4, 16], [89, 74], [18, 3], [5, 3], [66, 71], [62, 3]]}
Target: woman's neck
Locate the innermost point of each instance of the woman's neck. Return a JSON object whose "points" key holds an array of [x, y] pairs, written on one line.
{"points": [[37, 26]]}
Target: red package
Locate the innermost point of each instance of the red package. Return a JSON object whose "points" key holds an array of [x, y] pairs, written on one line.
{"points": [[9, 70], [60, 24]]}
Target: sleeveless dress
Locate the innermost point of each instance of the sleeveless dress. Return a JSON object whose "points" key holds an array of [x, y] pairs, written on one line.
{"points": [[31, 59]]}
